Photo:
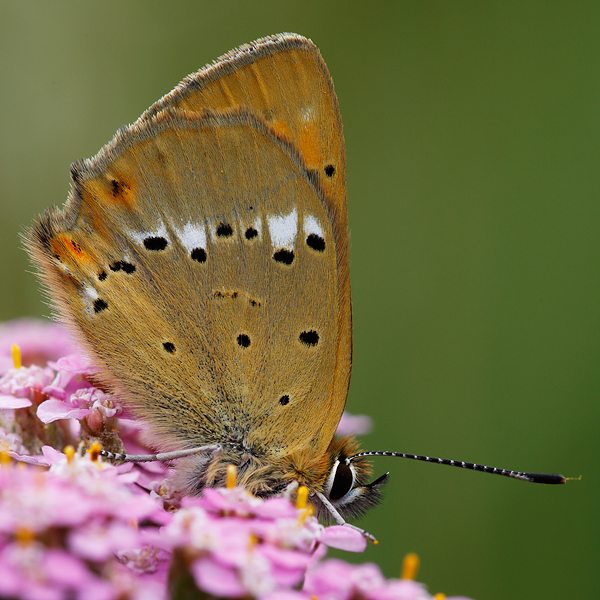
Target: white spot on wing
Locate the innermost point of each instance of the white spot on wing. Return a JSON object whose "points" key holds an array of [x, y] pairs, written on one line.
{"points": [[140, 236], [307, 114], [90, 292], [311, 225], [258, 226], [283, 230], [193, 235]]}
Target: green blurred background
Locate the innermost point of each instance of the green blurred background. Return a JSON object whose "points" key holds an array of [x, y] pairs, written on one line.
{"points": [[472, 133]]}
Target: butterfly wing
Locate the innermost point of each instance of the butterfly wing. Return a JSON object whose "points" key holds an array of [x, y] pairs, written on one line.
{"points": [[201, 258], [285, 80]]}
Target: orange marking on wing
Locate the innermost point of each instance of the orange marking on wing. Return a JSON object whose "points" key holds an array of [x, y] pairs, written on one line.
{"points": [[281, 129], [309, 142], [111, 189], [64, 244]]}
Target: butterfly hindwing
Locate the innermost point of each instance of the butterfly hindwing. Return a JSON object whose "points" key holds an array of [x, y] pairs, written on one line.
{"points": [[198, 260]]}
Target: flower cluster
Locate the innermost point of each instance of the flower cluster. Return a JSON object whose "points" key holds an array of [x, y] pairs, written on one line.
{"points": [[62, 530], [75, 526]]}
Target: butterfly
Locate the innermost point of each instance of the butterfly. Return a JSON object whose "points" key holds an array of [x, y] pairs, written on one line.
{"points": [[202, 260]]}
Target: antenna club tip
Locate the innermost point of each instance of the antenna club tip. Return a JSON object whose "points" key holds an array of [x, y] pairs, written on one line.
{"points": [[548, 478]]}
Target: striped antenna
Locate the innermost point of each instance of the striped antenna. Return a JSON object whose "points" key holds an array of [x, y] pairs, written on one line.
{"points": [[548, 478]]}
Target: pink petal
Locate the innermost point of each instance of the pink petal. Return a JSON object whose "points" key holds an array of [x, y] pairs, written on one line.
{"points": [[30, 460], [344, 538], [290, 559], [53, 410], [52, 456], [354, 425], [10, 580], [399, 589], [73, 362], [55, 392], [99, 541], [331, 578], [64, 569], [38, 591], [7, 401], [214, 578], [276, 508], [286, 595]]}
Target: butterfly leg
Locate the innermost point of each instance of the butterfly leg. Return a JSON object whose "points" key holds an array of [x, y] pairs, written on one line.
{"points": [[215, 449], [340, 520], [290, 490]]}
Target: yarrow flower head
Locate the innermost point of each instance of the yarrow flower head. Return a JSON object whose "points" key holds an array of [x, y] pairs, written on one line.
{"points": [[75, 526]]}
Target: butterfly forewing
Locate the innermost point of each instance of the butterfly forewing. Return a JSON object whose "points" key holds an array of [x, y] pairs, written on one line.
{"points": [[284, 79]]}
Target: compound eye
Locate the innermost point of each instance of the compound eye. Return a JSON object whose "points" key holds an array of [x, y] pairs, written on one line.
{"points": [[343, 480]]}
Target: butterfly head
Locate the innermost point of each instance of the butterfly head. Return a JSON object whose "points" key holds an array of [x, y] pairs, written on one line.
{"points": [[345, 483]]}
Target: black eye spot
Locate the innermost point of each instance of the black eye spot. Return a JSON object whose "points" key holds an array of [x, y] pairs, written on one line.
{"points": [[169, 347], [329, 170], [224, 230], [102, 276], [342, 481], [251, 233], [99, 305], [284, 256], [243, 340], [284, 400], [121, 265], [199, 255], [316, 242], [310, 338], [155, 243]]}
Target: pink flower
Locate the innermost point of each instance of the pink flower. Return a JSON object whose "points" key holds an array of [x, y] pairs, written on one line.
{"points": [[337, 580], [60, 529], [20, 388], [89, 402]]}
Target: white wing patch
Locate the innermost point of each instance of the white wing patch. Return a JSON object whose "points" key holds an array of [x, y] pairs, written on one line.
{"points": [[258, 226], [140, 236], [192, 236], [307, 114], [311, 225], [283, 230], [90, 292]]}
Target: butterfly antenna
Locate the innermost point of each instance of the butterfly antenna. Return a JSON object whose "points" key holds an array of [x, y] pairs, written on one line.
{"points": [[215, 449], [548, 478]]}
